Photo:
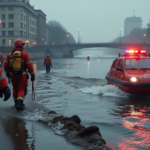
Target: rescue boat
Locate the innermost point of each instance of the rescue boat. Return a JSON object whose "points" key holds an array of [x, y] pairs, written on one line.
{"points": [[131, 72]]}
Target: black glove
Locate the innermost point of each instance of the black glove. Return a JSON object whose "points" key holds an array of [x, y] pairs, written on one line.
{"points": [[8, 75], [6, 92], [32, 78], [1, 95]]}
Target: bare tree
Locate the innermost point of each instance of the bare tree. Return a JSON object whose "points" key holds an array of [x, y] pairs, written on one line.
{"points": [[58, 34]]}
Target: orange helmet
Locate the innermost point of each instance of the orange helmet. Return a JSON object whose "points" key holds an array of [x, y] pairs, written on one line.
{"points": [[19, 43]]}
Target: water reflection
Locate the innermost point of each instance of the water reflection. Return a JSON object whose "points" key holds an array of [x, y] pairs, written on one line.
{"points": [[35, 66], [88, 67], [136, 118], [16, 130], [67, 63]]}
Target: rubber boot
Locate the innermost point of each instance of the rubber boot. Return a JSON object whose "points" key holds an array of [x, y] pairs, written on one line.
{"points": [[19, 105], [16, 103]]}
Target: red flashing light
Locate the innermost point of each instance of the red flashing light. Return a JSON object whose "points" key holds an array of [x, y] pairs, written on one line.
{"points": [[0, 22], [136, 51], [143, 51]]}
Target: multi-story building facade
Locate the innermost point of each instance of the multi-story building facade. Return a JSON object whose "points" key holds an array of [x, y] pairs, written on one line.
{"points": [[47, 41], [41, 28], [132, 23], [20, 21]]}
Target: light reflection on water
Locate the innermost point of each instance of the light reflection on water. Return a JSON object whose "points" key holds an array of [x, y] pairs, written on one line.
{"points": [[35, 66], [88, 67], [67, 63], [135, 118], [141, 135]]}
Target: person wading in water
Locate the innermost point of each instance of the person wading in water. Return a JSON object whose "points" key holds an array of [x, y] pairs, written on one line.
{"points": [[48, 63]]}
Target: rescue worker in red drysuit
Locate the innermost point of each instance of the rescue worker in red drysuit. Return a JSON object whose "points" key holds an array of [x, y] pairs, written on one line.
{"points": [[1, 60], [19, 81], [4, 89], [48, 63], [88, 57]]}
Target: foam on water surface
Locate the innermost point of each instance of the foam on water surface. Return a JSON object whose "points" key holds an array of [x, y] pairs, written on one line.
{"points": [[107, 90]]}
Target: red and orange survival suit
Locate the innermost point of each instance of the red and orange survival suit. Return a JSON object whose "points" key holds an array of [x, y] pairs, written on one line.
{"points": [[19, 81], [4, 89], [48, 61]]}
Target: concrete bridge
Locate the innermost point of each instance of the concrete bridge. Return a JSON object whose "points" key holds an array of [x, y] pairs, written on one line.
{"points": [[66, 51]]}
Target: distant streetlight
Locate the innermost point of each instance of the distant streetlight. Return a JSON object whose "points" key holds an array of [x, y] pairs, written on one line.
{"points": [[67, 38], [120, 35], [78, 35], [53, 43], [27, 42], [144, 37]]}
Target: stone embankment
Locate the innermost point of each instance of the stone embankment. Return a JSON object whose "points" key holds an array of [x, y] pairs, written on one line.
{"points": [[89, 138]]}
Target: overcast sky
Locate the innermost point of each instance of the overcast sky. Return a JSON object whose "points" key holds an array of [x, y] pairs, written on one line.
{"points": [[98, 20]]}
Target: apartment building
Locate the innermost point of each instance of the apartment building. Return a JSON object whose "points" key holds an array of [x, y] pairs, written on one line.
{"points": [[41, 28], [47, 41], [19, 21]]}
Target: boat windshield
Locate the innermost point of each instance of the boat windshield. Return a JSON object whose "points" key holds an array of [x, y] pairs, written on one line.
{"points": [[134, 64]]}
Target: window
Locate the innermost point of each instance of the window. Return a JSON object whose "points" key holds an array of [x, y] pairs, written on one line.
{"points": [[3, 8], [3, 42], [21, 25], [11, 16], [3, 25], [21, 8], [11, 8], [3, 33], [11, 25], [115, 64], [137, 64], [10, 33], [10, 42], [21, 17], [20, 33], [3, 16], [120, 64]]}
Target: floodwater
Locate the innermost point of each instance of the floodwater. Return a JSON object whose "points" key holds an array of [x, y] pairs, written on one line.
{"points": [[77, 86]]}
